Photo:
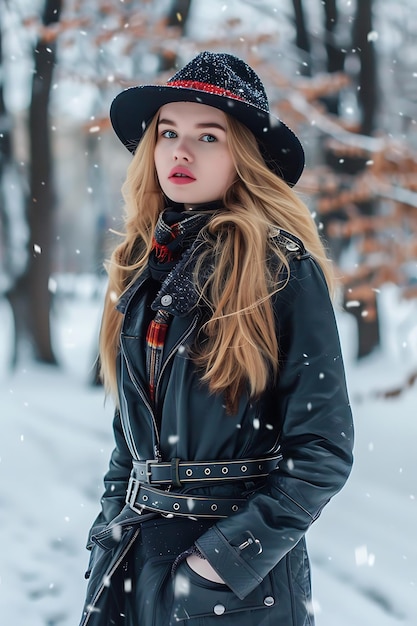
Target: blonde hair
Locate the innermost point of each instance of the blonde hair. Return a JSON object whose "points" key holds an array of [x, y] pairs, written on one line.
{"points": [[240, 348]]}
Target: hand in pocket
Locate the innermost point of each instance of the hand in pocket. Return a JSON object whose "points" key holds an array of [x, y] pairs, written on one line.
{"points": [[203, 568]]}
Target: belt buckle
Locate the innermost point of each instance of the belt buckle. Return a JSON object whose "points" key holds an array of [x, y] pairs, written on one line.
{"points": [[252, 543], [131, 494], [129, 490], [148, 470]]}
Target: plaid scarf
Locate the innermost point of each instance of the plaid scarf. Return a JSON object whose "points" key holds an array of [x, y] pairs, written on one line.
{"points": [[155, 340], [174, 233]]}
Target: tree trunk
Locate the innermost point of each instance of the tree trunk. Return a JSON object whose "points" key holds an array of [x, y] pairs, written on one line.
{"points": [[368, 330], [5, 161], [30, 297], [8, 269], [363, 43], [335, 55], [177, 16], [302, 38]]}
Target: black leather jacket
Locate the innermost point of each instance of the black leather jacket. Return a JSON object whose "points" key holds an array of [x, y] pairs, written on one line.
{"points": [[306, 414]]}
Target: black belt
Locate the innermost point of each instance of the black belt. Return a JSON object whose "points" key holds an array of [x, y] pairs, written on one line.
{"points": [[178, 472], [140, 498]]}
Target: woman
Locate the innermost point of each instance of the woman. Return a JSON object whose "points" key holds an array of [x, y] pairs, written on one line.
{"points": [[219, 344]]}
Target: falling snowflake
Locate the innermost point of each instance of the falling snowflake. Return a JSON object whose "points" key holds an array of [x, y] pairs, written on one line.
{"points": [[362, 557], [116, 532], [181, 586]]}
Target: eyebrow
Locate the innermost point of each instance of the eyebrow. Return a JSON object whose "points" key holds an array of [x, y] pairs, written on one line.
{"points": [[200, 125]]}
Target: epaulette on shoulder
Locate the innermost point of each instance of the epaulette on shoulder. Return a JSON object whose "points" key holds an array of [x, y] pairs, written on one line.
{"points": [[291, 244]]}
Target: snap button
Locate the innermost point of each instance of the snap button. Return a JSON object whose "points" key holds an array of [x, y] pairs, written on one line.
{"points": [[269, 601], [292, 246], [219, 609], [166, 300]]}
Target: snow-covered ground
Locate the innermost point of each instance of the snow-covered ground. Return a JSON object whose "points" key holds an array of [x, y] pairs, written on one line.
{"points": [[54, 447]]}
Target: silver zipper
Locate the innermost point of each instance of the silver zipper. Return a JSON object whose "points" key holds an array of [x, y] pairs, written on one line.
{"points": [[145, 401], [185, 336], [125, 422], [110, 573]]}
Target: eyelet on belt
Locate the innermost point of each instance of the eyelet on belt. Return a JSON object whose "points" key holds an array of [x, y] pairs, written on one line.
{"points": [[243, 468], [189, 472], [225, 470], [214, 507], [235, 507], [176, 506], [145, 498], [207, 471]]}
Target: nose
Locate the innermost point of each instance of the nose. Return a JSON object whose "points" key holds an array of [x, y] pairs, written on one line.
{"points": [[182, 151]]}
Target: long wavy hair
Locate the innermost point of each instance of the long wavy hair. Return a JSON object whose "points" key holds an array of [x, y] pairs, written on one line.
{"points": [[240, 348]]}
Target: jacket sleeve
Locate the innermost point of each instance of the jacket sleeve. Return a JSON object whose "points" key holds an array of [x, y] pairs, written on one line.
{"points": [[316, 438], [115, 481]]}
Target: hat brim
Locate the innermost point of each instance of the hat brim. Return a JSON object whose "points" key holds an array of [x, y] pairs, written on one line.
{"points": [[132, 110]]}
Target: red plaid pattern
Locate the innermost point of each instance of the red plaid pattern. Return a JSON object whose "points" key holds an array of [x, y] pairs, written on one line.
{"points": [[155, 339]]}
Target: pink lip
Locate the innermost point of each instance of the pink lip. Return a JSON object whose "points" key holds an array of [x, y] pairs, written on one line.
{"points": [[185, 179]]}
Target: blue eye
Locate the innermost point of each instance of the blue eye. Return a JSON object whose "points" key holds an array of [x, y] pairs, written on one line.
{"points": [[169, 134], [208, 138]]}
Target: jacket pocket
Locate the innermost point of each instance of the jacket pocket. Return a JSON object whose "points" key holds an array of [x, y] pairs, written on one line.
{"points": [[111, 535], [92, 547], [106, 585], [197, 597]]}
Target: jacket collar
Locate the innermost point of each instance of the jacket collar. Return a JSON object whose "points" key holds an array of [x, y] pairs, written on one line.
{"points": [[127, 295], [177, 295]]}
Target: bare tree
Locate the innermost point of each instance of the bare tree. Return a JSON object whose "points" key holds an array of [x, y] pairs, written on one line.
{"points": [[30, 296], [13, 230], [347, 165]]}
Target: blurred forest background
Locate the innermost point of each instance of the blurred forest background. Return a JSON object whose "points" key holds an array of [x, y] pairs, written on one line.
{"points": [[341, 73]]}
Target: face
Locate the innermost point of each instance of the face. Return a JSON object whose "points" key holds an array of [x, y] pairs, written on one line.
{"points": [[192, 158]]}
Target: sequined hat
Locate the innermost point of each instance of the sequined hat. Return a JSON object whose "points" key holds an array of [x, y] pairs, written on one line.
{"points": [[222, 81]]}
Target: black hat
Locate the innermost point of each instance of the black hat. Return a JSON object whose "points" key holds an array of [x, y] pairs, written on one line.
{"points": [[222, 81]]}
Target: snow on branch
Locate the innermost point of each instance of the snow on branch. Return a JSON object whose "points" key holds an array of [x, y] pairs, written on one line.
{"points": [[329, 127]]}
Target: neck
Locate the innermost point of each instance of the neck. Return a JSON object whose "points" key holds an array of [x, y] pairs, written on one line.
{"points": [[204, 206]]}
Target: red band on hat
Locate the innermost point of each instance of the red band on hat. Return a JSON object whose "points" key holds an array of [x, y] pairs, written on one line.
{"points": [[195, 84]]}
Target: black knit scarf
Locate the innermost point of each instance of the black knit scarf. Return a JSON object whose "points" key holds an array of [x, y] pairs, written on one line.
{"points": [[175, 231]]}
